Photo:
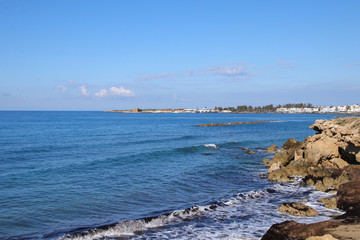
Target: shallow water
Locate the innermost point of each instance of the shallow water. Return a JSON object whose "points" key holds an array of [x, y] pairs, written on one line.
{"points": [[63, 174]]}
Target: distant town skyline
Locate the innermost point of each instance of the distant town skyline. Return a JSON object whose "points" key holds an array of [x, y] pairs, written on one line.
{"points": [[104, 55]]}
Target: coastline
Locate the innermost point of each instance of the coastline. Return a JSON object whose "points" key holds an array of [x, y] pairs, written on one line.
{"points": [[329, 161]]}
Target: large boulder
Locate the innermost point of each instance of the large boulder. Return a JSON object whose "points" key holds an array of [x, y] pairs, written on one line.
{"points": [[348, 197], [300, 231], [319, 151]]}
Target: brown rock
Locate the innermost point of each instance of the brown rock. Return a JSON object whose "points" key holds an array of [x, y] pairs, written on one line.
{"points": [[329, 202], [300, 231], [298, 209], [289, 144], [346, 232], [283, 157], [274, 166], [250, 152], [280, 175], [272, 148], [340, 163], [299, 155], [325, 237], [348, 197], [266, 161], [318, 151]]}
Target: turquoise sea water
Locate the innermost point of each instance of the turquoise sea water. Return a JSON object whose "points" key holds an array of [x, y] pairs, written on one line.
{"points": [[95, 175]]}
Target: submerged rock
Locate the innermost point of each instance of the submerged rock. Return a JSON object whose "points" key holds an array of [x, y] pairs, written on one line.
{"points": [[298, 209]]}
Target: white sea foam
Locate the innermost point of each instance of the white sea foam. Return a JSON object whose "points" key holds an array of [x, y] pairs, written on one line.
{"points": [[211, 145], [244, 216]]}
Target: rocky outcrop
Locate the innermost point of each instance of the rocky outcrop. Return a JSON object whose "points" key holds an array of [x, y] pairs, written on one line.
{"points": [[298, 209], [320, 160], [330, 161]]}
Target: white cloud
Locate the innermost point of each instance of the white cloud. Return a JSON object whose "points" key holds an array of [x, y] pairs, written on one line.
{"points": [[101, 93], [121, 92], [62, 87], [226, 70], [156, 76], [84, 91], [114, 92]]}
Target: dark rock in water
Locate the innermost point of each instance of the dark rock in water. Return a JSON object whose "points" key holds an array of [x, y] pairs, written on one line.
{"points": [[291, 230], [208, 154], [250, 152], [264, 175], [245, 149], [213, 207], [298, 209]]}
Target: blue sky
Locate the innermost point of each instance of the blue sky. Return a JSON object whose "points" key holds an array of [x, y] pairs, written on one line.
{"points": [[102, 55]]}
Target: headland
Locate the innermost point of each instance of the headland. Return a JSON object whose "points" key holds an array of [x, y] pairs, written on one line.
{"points": [[329, 161]]}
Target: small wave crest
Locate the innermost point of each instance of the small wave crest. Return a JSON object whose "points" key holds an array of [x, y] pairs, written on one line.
{"points": [[211, 145]]}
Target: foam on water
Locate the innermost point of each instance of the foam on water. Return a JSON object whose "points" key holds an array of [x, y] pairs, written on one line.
{"points": [[211, 145], [245, 216]]}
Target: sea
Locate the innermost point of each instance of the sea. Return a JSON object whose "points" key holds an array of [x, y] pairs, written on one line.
{"points": [[102, 175]]}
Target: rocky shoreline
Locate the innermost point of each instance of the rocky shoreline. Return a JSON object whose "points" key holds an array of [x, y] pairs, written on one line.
{"points": [[329, 161]]}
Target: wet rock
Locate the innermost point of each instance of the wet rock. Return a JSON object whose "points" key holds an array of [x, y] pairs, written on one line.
{"points": [[298, 209], [348, 197], [250, 152], [272, 148], [297, 231], [329, 202], [266, 161]]}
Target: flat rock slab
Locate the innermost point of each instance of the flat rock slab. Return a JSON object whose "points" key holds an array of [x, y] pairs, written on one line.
{"points": [[349, 231], [298, 209], [233, 123]]}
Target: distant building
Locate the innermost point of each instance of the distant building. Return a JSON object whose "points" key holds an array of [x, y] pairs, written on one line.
{"points": [[136, 110]]}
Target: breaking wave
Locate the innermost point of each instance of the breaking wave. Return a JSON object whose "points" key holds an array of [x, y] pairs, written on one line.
{"points": [[130, 228]]}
